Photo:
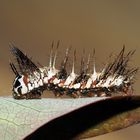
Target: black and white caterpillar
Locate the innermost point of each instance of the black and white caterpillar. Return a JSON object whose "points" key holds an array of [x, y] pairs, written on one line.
{"points": [[31, 80]]}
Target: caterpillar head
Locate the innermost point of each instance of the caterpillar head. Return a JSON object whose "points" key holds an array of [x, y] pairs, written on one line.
{"points": [[19, 86]]}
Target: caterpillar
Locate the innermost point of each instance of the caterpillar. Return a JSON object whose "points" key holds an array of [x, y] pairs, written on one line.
{"points": [[32, 79]]}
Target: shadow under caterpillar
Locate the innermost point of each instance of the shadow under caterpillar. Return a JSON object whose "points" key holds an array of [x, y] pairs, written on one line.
{"points": [[32, 79]]}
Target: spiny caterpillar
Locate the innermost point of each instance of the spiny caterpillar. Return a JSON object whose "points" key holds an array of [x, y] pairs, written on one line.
{"points": [[31, 80]]}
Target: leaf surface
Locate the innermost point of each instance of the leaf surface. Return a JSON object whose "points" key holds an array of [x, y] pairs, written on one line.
{"points": [[50, 118]]}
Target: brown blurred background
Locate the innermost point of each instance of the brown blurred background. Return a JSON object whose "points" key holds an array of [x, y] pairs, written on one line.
{"points": [[101, 24]]}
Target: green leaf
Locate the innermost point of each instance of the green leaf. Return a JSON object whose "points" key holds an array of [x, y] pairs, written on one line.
{"points": [[50, 118]]}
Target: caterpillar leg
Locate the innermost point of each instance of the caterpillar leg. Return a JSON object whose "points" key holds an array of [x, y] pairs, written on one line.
{"points": [[76, 94], [18, 95], [128, 90], [91, 94], [102, 94], [33, 95], [58, 91], [58, 94], [30, 95]]}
